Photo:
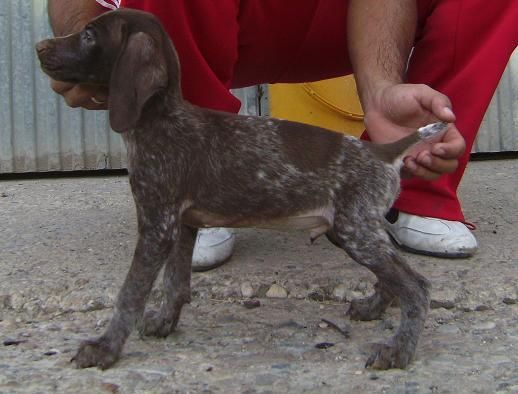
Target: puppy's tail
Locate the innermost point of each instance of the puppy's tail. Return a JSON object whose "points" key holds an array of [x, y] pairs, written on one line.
{"points": [[412, 144]]}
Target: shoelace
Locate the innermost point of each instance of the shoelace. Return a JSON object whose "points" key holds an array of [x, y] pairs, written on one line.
{"points": [[469, 225]]}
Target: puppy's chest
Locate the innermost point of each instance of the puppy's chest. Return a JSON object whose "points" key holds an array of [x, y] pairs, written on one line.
{"points": [[151, 181], [152, 153]]}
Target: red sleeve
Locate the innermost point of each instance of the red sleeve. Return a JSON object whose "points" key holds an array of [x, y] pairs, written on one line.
{"points": [[204, 33]]}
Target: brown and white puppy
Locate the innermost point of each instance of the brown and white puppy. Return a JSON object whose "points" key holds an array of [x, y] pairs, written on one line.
{"points": [[191, 167]]}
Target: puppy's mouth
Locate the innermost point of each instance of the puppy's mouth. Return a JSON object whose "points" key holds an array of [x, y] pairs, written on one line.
{"points": [[58, 70], [58, 64], [51, 68], [59, 73]]}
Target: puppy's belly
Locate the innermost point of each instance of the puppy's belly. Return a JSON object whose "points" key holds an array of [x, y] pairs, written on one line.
{"points": [[317, 221]]}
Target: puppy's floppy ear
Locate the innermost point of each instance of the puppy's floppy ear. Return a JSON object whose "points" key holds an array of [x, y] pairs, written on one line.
{"points": [[139, 72]]}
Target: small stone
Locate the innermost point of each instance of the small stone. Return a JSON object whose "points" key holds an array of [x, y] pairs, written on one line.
{"points": [[53, 327], [448, 329], [251, 304], [11, 342], [444, 298], [485, 326], [5, 301], [266, 379], [339, 292], [51, 352], [276, 291], [81, 282], [290, 324], [446, 304], [4, 194], [247, 290], [317, 294], [411, 387], [323, 325], [509, 301], [94, 305], [281, 366], [468, 307], [324, 345], [110, 387], [101, 323]]}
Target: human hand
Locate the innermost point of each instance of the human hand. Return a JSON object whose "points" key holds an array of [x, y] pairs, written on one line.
{"points": [[397, 110], [86, 96]]}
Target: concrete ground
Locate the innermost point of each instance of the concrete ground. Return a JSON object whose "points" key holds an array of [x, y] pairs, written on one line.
{"points": [[66, 245]]}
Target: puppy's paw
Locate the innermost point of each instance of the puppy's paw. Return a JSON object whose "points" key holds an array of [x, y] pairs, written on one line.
{"points": [[386, 356], [96, 353], [365, 309], [155, 324]]}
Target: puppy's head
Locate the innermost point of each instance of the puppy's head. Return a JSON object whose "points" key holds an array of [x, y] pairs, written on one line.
{"points": [[126, 50]]}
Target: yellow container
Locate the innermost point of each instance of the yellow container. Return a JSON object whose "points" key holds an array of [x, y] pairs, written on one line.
{"points": [[332, 104]]}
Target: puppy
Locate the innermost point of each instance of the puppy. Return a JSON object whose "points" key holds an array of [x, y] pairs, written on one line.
{"points": [[191, 167]]}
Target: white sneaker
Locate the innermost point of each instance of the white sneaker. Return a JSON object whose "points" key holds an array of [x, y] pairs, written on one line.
{"points": [[431, 236], [213, 247]]}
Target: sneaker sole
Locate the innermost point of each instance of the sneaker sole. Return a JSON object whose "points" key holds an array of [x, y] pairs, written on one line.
{"points": [[203, 268], [459, 255]]}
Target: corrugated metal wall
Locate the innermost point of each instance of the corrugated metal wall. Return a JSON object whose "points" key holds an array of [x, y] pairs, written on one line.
{"points": [[499, 129], [38, 132]]}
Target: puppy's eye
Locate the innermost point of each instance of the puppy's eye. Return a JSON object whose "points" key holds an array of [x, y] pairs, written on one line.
{"points": [[88, 36]]}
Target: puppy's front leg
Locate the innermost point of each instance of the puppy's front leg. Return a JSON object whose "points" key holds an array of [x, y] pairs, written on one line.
{"points": [[157, 233], [177, 287]]}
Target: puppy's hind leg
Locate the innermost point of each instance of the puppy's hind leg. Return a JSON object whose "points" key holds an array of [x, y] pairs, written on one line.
{"points": [[369, 308], [370, 246], [177, 288]]}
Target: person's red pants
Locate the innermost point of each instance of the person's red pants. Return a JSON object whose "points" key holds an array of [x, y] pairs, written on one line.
{"points": [[461, 50]]}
